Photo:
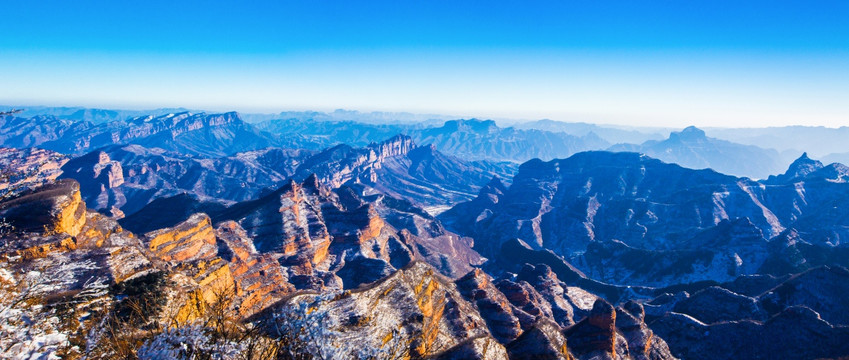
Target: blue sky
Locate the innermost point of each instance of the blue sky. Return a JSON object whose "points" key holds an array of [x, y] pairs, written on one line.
{"points": [[664, 63]]}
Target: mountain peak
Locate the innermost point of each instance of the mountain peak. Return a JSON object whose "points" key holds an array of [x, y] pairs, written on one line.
{"points": [[471, 125], [689, 133], [801, 167]]}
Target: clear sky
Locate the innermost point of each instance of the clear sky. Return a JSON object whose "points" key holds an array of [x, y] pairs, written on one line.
{"points": [[663, 63]]}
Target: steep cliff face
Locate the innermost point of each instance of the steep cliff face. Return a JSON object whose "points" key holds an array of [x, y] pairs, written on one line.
{"points": [[122, 179], [56, 208], [493, 305], [642, 342], [343, 163], [595, 336], [610, 332], [193, 239], [289, 221], [100, 178], [472, 318], [51, 222], [259, 279]]}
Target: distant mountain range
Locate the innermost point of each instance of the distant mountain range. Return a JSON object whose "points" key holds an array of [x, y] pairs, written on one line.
{"points": [[693, 149], [611, 134], [470, 139], [187, 133], [817, 140]]}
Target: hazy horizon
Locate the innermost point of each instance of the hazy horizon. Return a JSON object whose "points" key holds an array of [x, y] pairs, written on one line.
{"points": [[717, 64]]}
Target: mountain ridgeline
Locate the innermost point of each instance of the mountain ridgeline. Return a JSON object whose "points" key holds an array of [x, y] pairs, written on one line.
{"points": [[219, 135], [436, 239]]}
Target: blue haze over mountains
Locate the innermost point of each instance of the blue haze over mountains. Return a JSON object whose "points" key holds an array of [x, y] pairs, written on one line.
{"points": [[717, 149], [548, 236]]}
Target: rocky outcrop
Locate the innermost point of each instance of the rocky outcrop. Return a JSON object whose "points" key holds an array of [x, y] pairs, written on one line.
{"points": [[385, 296], [493, 306], [259, 279], [615, 333], [289, 221], [55, 208], [122, 179], [545, 281], [595, 335], [193, 239], [342, 163], [528, 305], [99, 177], [544, 340], [414, 303], [642, 342]]}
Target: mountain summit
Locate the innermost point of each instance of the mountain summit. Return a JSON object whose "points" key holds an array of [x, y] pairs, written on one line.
{"points": [[693, 149]]}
